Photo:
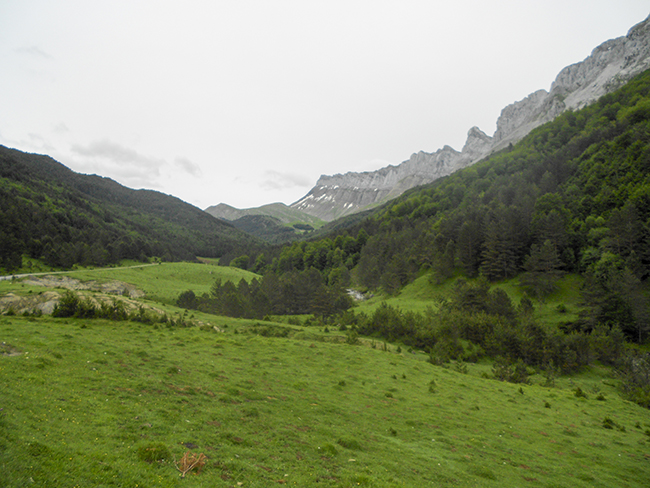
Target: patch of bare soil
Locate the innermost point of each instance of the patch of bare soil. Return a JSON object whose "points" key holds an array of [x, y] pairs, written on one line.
{"points": [[93, 291], [112, 287], [8, 350]]}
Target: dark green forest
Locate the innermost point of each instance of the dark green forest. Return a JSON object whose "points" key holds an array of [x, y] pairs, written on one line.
{"points": [[51, 213]]}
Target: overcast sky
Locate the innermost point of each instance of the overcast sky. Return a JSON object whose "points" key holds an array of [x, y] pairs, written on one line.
{"points": [[249, 102]]}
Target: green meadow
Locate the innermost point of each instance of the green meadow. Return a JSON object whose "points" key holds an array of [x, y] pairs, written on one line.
{"points": [[101, 403], [560, 306], [161, 282]]}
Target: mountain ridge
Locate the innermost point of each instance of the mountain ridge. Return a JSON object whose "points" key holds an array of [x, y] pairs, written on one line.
{"points": [[49, 212], [608, 67]]}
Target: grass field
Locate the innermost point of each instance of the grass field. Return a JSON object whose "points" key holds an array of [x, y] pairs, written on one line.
{"points": [[98, 403], [161, 283]]}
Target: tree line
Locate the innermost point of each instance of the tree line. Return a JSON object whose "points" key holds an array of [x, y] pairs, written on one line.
{"points": [[293, 293]]}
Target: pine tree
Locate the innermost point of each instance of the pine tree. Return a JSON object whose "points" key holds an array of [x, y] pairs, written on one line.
{"points": [[543, 269]]}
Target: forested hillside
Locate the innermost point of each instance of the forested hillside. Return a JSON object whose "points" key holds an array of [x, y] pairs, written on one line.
{"points": [[51, 213], [573, 196]]}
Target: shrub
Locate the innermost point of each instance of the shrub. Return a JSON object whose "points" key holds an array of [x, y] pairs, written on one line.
{"points": [[349, 443], [67, 306], [352, 338], [154, 452], [329, 450], [505, 370], [579, 393]]}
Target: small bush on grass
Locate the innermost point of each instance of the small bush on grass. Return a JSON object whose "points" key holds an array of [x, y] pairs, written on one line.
{"points": [[610, 424], [329, 450], [352, 338], [505, 370], [579, 393], [461, 367], [189, 461], [349, 443], [153, 453]]}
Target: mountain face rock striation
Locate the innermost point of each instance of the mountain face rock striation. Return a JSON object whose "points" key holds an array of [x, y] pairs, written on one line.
{"points": [[608, 67]]}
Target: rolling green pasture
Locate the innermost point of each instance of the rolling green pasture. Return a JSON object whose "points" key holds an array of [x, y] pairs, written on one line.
{"points": [[95, 403], [83, 402], [165, 281]]}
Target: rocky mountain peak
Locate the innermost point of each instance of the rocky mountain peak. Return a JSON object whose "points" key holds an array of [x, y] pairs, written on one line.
{"points": [[609, 66]]}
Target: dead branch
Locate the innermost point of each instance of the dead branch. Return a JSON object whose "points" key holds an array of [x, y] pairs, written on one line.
{"points": [[190, 461]]}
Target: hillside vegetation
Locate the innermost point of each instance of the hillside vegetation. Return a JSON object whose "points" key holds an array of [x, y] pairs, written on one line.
{"points": [[51, 213]]}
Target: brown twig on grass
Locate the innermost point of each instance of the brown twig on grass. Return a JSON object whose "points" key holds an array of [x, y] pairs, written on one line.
{"points": [[190, 461]]}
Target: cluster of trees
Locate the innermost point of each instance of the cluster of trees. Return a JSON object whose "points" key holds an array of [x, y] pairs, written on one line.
{"points": [[333, 258], [293, 293], [480, 322], [71, 305]]}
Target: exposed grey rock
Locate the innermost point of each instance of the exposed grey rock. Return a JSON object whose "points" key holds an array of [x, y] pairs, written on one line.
{"points": [[607, 68]]}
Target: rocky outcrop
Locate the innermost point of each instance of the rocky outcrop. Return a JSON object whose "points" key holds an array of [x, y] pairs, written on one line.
{"points": [[608, 67]]}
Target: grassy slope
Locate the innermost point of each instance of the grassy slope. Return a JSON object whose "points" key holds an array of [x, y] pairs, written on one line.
{"points": [[85, 396], [164, 283], [422, 293], [305, 410]]}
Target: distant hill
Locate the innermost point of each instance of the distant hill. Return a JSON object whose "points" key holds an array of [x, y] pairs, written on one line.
{"points": [[275, 223], [266, 228], [280, 211], [49, 212]]}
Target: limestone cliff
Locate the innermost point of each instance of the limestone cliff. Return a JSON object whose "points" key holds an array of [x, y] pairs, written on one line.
{"points": [[608, 67]]}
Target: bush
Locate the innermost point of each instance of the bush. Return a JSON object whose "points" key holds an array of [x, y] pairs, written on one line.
{"points": [[579, 393], [155, 452], [348, 443], [67, 306], [634, 371], [505, 370]]}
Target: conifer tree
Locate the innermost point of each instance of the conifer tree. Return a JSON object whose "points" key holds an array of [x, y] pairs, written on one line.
{"points": [[543, 269]]}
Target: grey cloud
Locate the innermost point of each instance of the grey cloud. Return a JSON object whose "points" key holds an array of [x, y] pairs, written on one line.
{"points": [[275, 180], [188, 166], [36, 142], [60, 128], [33, 51], [118, 155], [111, 159]]}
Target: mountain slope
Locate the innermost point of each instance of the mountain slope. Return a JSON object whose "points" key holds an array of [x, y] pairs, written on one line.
{"points": [[280, 211], [608, 67], [573, 196], [275, 223], [53, 213], [266, 228]]}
